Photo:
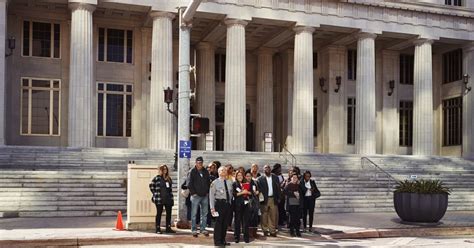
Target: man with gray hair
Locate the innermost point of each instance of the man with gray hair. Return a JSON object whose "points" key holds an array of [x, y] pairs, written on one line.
{"points": [[220, 198], [270, 188]]}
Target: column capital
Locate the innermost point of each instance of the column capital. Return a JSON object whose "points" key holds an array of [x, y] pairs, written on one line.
{"points": [[365, 35], [423, 41], [205, 45], [232, 22], [81, 5], [266, 51], [303, 29], [160, 14], [469, 47]]}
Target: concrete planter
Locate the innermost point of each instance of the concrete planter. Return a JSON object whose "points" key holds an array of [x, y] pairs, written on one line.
{"points": [[415, 207]]}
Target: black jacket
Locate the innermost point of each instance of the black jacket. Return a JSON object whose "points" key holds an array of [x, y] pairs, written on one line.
{"points": [[240, 200], [314, 188], [263, 187], [198, 182], [290, 190], [161, 195]]}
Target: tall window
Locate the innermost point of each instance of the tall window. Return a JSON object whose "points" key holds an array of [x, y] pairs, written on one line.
{"points": [[220, 67], [406, 123], [351, 116], [351, 64], [41, 39], [115, 45], [452, 66], [114, 110], [406, 68], [315, 60], [40, 106], [315, 118], [453, 2], [452, 121]]}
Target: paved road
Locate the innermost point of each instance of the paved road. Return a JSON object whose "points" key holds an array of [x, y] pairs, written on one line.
{"points": [[428, 242]]}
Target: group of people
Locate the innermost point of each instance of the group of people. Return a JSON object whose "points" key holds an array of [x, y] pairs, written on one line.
{"points": [[247, 197]]}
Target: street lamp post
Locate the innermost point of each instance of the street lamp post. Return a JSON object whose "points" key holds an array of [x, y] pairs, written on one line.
{"points": [[168, 100]]}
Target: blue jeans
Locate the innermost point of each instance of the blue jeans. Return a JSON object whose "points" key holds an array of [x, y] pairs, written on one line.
{"points": [[203, 203]]}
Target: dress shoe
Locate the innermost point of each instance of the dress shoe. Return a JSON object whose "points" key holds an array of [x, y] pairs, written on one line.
{"points": [[169, 230], [158, 231]]}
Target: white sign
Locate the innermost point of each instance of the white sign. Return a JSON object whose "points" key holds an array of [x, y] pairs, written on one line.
{"points": [[209, 141]]}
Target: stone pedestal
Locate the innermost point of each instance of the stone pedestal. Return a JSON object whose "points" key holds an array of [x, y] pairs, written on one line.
{"points": [[235, 125], [81, 131], [302, 124], [423, 99], [162, 130], [265, 97], [206, 89], [365, 129]]}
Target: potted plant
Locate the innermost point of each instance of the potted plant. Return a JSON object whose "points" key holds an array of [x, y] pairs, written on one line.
{"points": [[421, 200]]}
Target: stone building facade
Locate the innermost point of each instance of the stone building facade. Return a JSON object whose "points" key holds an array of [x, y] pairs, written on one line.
{"points": [[325, 76]]}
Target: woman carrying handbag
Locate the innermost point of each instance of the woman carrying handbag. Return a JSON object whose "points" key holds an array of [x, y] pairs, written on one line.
{"points": [[161, 188], [310, 194]]}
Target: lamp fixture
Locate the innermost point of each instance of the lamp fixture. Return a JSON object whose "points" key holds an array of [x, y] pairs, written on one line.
{"points": [[391, 86], [338, 84], [466, 82], [11, 46], [322, 80]]}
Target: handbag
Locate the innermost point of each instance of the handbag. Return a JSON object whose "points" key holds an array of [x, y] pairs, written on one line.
{"points": [[185, 193], [184, 190], [317, 193], [293, 201]]}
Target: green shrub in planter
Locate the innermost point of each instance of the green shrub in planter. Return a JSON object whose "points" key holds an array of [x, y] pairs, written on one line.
{"points": [[422, 187], [421, 200]]}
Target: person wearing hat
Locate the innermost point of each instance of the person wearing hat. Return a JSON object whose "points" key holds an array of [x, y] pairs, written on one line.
{"points": [[198, 185]]}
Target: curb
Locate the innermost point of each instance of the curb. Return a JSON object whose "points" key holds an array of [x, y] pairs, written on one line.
{"points": [[403, 232], [370, 233]]}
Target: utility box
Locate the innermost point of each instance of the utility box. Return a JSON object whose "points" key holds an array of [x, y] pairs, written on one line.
{"points": [[141, 211]]}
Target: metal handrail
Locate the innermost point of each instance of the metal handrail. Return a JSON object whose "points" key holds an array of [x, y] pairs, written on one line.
{"points": [[391, 178], [285, 149]]}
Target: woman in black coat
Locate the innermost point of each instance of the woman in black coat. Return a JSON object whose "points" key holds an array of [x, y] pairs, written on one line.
{"points": [[242, 209], [294, 204], [161, 187], [309, 192]]}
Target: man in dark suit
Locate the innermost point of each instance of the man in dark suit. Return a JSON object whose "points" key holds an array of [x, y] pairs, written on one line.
{"points": [[270, 188]]}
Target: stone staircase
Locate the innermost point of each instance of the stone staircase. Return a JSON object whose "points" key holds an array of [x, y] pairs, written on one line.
{"points": [[347, 185], [45, 181]]}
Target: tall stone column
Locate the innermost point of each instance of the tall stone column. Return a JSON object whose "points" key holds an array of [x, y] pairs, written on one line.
{"points": [[265, 96], [423, 99], [468, 105], [81, 131], [206, 92], [365, 129], [162, 131], [235, 102], [3, 35], [302, 126]]}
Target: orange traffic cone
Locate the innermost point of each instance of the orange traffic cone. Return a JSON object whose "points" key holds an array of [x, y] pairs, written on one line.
{"points": [[119, 224]]}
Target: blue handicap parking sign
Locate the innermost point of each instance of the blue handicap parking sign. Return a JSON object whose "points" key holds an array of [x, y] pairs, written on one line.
{"points": [[185, 149]]}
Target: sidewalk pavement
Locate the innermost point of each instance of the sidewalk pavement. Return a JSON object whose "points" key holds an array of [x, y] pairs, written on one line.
{"points": [[20, 232]]}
